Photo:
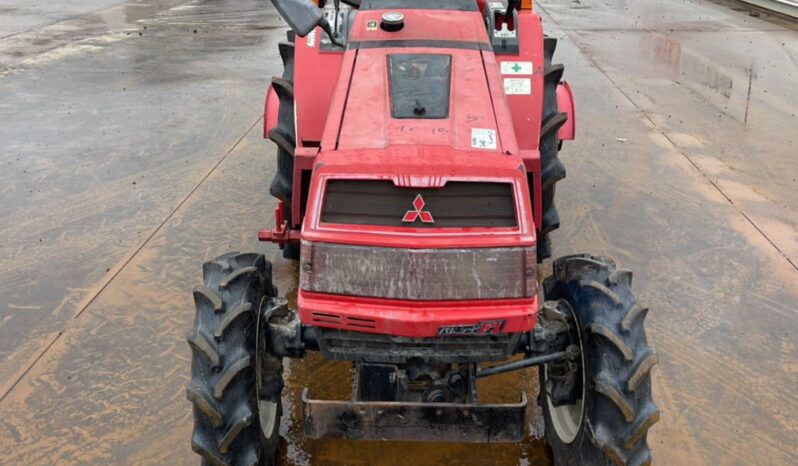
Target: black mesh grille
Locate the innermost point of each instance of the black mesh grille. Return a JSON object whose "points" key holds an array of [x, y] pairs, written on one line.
{"points": [[457, 204], [357, 346]]}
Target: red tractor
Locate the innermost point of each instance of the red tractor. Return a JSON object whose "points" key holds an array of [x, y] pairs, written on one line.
{"points": [[417, 157]]}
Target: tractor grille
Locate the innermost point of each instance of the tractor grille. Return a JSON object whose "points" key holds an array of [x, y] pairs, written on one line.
{"points": [[417, 274], [376, 348], [381, 203]]}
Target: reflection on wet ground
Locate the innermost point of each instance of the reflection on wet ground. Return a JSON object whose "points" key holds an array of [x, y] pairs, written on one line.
{"points": [[132, 152]]}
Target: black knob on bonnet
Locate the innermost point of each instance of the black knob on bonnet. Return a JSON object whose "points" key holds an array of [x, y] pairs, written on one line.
{"points": [[392, 21]]}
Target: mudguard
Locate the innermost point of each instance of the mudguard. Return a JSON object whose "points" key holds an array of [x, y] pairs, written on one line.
{"points": [[270, 109], [565, 102]]}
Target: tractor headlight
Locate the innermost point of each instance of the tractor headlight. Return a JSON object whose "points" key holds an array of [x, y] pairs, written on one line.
{"points": [[418, 274]]}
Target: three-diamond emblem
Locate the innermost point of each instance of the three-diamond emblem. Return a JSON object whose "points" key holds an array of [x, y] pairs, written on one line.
{"points": [[418, 212]]}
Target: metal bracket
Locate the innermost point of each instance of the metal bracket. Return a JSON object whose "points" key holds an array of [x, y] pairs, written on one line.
{"points": [[281, 233], [284, 329], [412, 421], [339, 17]]}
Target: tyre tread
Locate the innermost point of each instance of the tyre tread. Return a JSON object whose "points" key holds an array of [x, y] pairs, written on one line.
{"points": [[284, 136], [229, 374], [242, 421], [642, 370], [206, 406], [222, 389], [202, 292], [552, 169], [229, 317], [619, 362], [201, 344], [645, 420], [604, 387], [208, 455], [236, 275], [635, 313], [612, 337]]}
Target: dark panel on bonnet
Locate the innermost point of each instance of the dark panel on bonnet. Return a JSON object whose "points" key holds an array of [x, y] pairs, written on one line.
{"points": [[419, 85]]}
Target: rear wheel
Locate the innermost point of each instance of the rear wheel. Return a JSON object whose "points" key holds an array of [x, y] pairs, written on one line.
{"points": [[552, 169], [609, 422], [233, 425], [284, 136]]}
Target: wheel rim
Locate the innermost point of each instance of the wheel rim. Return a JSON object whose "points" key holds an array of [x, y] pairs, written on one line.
{"points": [[267, 415], [567, 419], [267, 410]]}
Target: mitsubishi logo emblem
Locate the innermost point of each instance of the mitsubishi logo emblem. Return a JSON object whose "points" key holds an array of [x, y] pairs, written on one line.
{"points": [[417, 212]]}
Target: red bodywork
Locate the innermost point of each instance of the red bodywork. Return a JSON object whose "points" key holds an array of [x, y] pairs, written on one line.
{"points": [[565, 102], [270, 112], [358, 139]]}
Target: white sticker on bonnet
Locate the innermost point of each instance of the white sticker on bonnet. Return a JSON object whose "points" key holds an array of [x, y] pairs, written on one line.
{"points": [[483, 138], [517, 67], [517, 86]]}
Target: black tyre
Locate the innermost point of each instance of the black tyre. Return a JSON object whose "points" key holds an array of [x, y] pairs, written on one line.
{"points": [[609, 424], [284, 136], [552, 169], [229, 427]]}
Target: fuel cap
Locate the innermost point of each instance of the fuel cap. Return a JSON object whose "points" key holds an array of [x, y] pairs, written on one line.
{"points": [[392, 21]]}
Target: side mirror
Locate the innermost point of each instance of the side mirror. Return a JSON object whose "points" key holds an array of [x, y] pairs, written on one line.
{"points": [[301, 15]]}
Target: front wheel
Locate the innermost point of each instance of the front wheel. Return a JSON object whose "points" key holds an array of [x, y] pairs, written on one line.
{"points": [[609, 422], [235, 386]]}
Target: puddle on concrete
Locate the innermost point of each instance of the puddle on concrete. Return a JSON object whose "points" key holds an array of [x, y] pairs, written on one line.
{"points": [[686, 65]]}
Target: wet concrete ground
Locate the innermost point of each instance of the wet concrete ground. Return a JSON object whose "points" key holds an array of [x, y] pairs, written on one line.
{"points": [[131, 151]]}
